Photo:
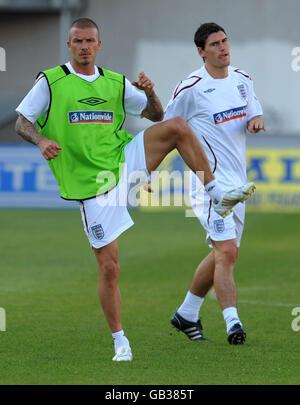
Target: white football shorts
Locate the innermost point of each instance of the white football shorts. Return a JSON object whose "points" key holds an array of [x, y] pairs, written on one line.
{"points": [[106, 217], [216, 227]]}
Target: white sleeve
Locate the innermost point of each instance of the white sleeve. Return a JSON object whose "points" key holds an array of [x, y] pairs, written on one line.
{"points": [[36, 102], [254, 107], [181, 104], [135, 101]]}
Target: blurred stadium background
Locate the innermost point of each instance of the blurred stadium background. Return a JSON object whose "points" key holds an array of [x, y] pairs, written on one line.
{"points": [[156, 36]]}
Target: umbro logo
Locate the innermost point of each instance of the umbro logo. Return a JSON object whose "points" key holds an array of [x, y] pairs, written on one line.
{"points": [[92, 101], [209, 90]]}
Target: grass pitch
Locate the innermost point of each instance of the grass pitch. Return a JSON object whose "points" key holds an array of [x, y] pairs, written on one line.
{"points": [[56, 332]]}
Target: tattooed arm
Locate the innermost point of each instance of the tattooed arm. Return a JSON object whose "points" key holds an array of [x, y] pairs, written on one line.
{"points": [[153, 110], [49, 149]]}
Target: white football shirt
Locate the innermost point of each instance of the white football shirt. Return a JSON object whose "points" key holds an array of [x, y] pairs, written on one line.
{"points": [[36, 102], [217, 111]]}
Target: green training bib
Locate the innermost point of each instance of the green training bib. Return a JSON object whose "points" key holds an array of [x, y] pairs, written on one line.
{"points": [[85, 118]]}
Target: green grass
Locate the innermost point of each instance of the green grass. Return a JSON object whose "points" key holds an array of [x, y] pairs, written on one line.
{"points": [[56, 332]]}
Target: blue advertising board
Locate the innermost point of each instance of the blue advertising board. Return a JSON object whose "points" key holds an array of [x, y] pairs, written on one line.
{"points": [[26, 180]]}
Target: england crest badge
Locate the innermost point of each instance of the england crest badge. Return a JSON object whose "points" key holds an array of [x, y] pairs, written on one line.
{"points": [[243, 92], [219, 225], [97, 231]]}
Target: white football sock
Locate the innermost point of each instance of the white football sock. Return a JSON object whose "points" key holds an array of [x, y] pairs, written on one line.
{"points": [[190, 307], [120, 339], [214, 191], [231, 317]]}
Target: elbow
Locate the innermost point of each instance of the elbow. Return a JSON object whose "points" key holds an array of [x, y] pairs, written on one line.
{"points": [[153, 115], [159, 116], [17, 126]]}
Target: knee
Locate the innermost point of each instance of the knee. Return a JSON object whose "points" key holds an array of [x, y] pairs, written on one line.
{"points": [[109, 270], [109, 273], [227, 255], [177, 126]]}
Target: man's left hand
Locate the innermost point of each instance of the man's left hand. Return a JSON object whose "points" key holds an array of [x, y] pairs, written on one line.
{"points": [[147, 187], [144, 83], [256, 124]]}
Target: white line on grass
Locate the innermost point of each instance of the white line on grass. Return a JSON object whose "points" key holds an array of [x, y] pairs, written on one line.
{"points": [[271, 304], [254, 302]]}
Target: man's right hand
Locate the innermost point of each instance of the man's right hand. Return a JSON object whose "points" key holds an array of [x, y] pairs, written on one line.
{"points": [[49, 149]]}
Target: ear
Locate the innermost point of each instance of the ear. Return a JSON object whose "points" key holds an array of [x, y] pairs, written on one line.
{"points": [[201, 52], [99, 44], [69, 44]]}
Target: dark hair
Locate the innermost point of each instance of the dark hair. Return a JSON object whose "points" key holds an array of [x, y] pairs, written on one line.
{"points": [[204, 31], [84, 23]]}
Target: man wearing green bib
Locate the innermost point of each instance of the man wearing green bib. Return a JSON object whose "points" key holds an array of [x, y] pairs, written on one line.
{"points": [[79, 110]]}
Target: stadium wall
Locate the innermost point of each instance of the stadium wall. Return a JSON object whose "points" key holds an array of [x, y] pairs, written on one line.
{"points": [[157, 36]]}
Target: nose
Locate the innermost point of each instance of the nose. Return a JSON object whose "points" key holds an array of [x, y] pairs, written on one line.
{"points": [[84, 45]]}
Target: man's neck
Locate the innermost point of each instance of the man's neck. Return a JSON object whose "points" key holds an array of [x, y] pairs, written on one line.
{"points": [[83, 69], [217, 73]]}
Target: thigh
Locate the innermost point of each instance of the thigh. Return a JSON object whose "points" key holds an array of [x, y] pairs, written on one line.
{"points": [[216, 227], [135, 171], [107, 254], [225, 252], [159, 142], [239, 220], [135, 158], [103, 222]]}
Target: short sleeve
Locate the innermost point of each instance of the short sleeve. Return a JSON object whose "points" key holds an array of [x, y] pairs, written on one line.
{"points": [[254, 106], [182, 102], [36, 102], [135, 101]]}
